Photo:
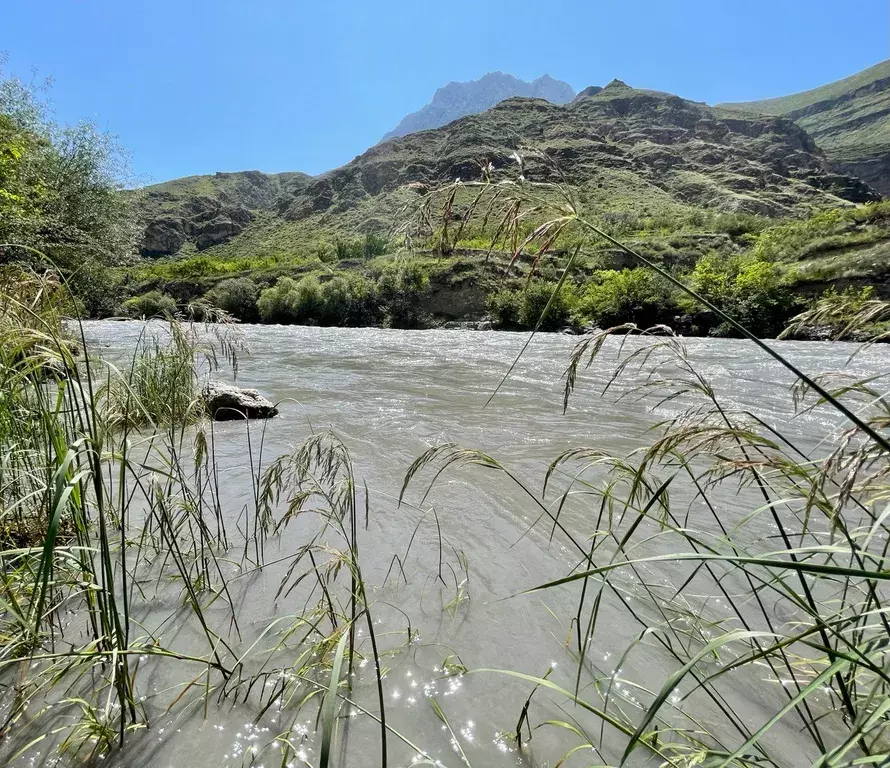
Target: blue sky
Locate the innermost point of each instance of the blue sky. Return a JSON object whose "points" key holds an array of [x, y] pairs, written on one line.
{"points": [[199, 86]]}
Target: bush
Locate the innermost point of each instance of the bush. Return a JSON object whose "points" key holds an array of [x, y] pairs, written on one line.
{"points": [[628, 296], [754, 291], [324, 252], [522, 308], [292, 301], [237, 296], [348, 300], [151, 304], [368, 247], [98, 290], [400, 289], [504, 306], [737, 224], [374, 245]]}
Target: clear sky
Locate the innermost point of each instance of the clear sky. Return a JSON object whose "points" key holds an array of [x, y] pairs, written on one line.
{"points": [[196, 86]]}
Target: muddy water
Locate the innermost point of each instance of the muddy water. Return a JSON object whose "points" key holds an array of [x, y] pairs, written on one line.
{"points": [[390, 395]]}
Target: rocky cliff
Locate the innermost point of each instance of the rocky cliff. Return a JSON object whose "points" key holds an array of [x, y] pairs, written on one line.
{"points": [[204, 211]]}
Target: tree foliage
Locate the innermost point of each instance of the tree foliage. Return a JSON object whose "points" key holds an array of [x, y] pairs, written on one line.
{"points": [[61, 189]]}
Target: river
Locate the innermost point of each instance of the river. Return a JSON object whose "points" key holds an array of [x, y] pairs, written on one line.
{"points": [[390, 395]]}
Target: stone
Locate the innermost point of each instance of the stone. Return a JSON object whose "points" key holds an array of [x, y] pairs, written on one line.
{"points": [[220, 230], [226, 402]]}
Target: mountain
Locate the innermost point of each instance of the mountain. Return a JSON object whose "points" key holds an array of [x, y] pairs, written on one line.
{"points": [[849, 120], [457, 100], [625, 151], [207, 210], [654, 143]]}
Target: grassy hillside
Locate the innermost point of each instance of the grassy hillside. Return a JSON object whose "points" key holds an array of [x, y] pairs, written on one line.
{"points": [[624, 151], [848, 119]]}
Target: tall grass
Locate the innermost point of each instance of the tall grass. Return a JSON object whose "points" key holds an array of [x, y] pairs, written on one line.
{"points": [[109, 483], [740, 557]]}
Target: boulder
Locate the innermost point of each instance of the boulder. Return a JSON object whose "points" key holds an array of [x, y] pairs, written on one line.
{"points": [[226, 402]]}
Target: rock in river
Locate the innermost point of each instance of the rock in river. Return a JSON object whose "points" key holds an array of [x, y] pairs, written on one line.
{"points": [[226, 402]]}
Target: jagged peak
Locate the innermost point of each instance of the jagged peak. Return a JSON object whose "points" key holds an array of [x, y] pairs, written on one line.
{"points": [[459, 99]]}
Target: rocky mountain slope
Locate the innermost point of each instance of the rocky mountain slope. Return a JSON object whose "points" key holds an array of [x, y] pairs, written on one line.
{"points": [[457, 100], [626, 150], [848, 119], [207, 210]]}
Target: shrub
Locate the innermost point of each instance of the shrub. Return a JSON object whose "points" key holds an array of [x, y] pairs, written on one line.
{"points": [[400, 289], [98, 290], [237, 296], [292, 301], [754, 291], [324, 252], [854, 314], [628, 296], [151, 304], [272, 304], [534, 301], [739, 223], [522, 308], [348, 249], [374, 245], [504, 306], [349, 300]]}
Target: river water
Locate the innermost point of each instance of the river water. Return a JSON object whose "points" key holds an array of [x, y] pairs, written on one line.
{"points": [[390, 395]]}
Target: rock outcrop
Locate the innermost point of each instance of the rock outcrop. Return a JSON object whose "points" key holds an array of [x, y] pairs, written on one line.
{"points": [[226, 402], [207, 210]]}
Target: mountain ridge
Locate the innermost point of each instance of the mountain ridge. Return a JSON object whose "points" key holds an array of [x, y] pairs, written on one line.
{"points": [[459, 99], [849, 120], [624, 148]]}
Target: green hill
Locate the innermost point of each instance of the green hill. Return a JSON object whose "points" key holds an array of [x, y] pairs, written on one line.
{"points": [[848, 119]]}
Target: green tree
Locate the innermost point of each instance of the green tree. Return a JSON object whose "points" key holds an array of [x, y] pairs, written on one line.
{"points": [[61, 190], [401, 287]]}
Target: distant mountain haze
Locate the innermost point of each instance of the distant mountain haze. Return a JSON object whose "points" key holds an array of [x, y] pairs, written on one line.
{"points": [[457, 100]]}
